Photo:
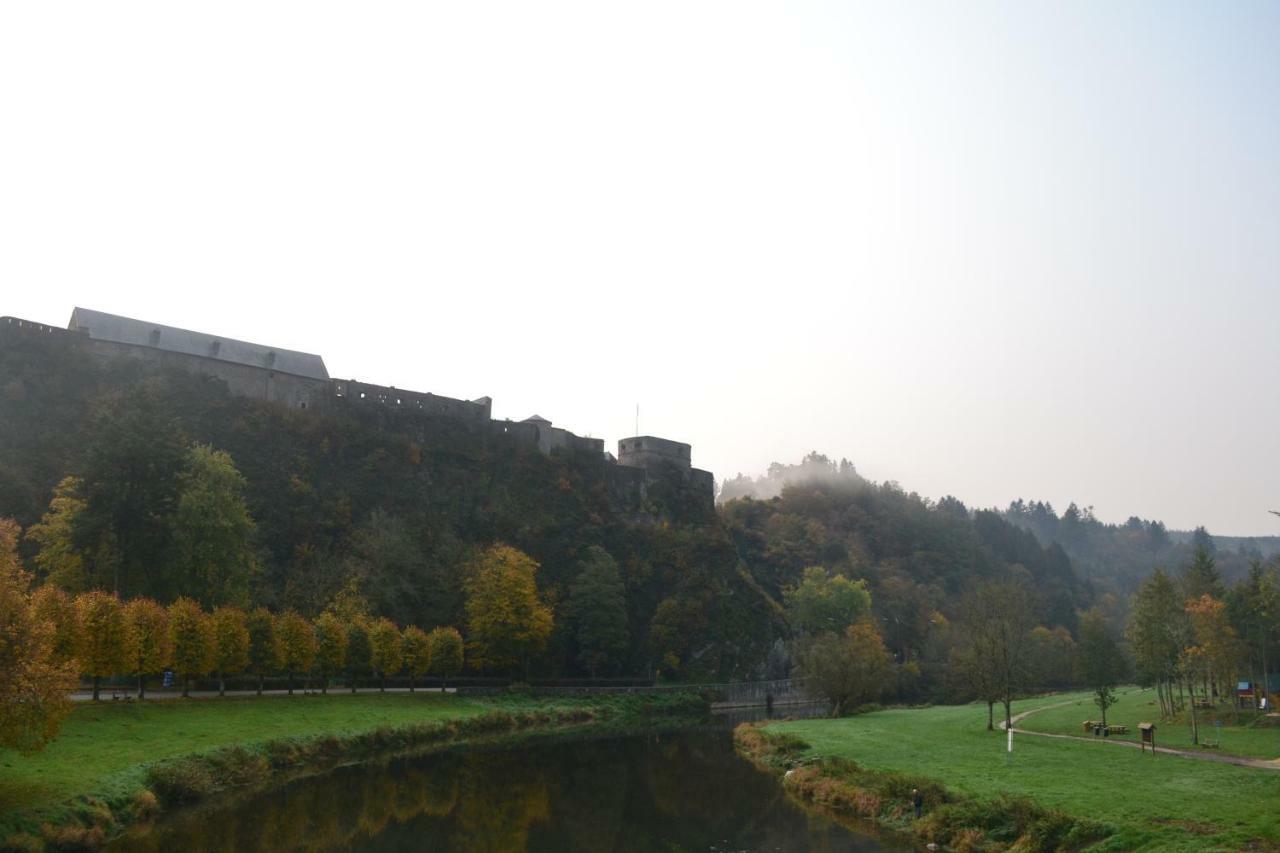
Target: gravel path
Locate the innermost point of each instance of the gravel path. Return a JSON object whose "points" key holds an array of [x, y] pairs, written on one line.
{"points": [[1260, 763]]}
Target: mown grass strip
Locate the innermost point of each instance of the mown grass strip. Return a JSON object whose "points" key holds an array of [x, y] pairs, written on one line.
{"points": [[1163, 803], [228, 752]]}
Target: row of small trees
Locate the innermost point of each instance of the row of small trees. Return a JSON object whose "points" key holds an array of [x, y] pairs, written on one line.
{"points": [[102, 636]]}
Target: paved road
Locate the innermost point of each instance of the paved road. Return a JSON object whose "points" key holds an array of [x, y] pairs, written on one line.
{"points": [[124, 695], [1260, 763]]}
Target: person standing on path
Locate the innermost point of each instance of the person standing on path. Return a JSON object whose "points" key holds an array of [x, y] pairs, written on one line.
{"points": [[917, 801]]}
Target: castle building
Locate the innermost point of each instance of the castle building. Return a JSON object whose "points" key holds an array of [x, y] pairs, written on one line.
{"points": [[661, 456], [301, 380]]}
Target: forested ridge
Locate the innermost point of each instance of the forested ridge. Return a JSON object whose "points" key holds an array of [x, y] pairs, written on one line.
{"points": [[160, 484], [916, 557], [389, 506], [1119, 556]]}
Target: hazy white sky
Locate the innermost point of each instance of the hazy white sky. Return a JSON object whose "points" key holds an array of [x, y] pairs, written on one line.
{"points": [[992, 250]]}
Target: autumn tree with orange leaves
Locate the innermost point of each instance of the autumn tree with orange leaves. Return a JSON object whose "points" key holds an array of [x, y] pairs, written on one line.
{"points": [[34, 682]]}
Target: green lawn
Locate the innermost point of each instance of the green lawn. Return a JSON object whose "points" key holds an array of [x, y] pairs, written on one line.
{"points": [[1140, 706], [102, 749], [1158, 803]]}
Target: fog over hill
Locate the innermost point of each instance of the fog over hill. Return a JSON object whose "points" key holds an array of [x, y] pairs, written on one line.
{"points": [[1115, 555]]}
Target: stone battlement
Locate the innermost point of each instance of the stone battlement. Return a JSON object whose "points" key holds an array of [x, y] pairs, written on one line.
{"points": [[301, 380]]}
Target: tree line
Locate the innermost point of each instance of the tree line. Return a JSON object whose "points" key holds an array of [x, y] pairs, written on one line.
{"points": [[918, 560], [1117, 557], [49, 638], [1193, 637], [152, 482]]}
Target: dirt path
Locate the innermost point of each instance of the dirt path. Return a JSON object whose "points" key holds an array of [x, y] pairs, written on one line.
{"points": [[1260, 763]]}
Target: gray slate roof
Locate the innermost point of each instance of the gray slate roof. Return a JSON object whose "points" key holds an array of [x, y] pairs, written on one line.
{"points": [[125, 330]]}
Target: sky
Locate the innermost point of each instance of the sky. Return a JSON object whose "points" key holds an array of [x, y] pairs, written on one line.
{"points": [[992, 250]]}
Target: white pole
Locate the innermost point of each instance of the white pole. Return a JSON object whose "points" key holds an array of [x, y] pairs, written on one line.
{"points": [[1010, 731]]}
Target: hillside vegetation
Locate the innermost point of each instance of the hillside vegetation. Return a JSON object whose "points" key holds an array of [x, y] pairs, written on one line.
{"points": [[116, 464]]}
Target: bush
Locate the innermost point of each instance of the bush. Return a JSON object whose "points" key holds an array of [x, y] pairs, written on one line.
{"points": [[236, 766], [143, 806], [22, 842], [186, 780], [73, 837]]}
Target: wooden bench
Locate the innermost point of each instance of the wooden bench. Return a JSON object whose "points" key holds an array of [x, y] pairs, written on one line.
{"points": [[1118, 730]]}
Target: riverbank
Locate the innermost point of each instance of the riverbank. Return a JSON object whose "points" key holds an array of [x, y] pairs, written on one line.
{"points": [[1049, 793], [119, 763]]}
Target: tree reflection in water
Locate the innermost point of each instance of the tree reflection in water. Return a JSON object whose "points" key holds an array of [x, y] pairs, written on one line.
{"points": [[681, 791]]}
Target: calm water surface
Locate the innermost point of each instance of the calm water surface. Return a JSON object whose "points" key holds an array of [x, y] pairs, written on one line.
{"points": [[683, 791]]}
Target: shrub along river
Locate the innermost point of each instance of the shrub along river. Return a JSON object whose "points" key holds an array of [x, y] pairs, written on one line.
{"points": [[683, 790]]}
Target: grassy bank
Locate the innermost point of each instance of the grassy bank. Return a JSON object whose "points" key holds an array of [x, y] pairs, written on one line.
{"points": [[1243, 733], [1130, 800], [120, 762]]}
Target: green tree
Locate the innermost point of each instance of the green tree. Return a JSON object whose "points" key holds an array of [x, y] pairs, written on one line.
{"points": [[446, 653], [104, 636], [1053, 655], [359, 651], [231, 644], [384, 640], [847, 669], [213, 533], [507, 621], [132, 464], [152, 646], [1201, 577], [264, 646], [975, 675], [1102, 662], [297, 645], [597, 610], [823, 602], [998, 617], [1158, 631], [416, 651], [1255, 605], [388, 567], [34, 683], [59, 558], [331, 647], [194, 643]]}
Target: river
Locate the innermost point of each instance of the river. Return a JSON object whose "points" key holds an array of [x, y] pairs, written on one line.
{"points": [[674, 791]]}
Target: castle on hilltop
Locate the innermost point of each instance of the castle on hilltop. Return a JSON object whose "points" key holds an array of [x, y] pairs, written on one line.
{"points": [[300, 380]]}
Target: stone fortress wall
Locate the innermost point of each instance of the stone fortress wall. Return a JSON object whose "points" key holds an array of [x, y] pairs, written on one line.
{"points": [[301, 380]]}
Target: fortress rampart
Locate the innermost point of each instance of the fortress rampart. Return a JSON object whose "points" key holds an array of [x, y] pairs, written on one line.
{"points": [[300, 380]]}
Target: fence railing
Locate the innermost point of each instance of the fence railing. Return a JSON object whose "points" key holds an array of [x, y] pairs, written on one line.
{"points": [[739, 694]]}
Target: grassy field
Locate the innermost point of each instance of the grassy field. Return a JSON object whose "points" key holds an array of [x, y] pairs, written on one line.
{"points": [[103, 749], [1139, 706], [1164, 803]]}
